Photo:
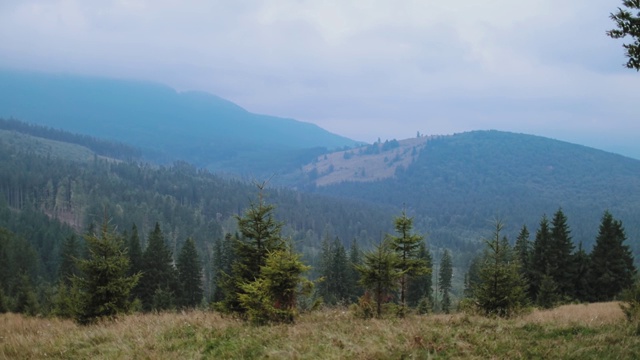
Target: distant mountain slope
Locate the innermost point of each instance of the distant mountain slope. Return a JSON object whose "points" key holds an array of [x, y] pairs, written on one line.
{"points": [[459, 183], [194, 126]]}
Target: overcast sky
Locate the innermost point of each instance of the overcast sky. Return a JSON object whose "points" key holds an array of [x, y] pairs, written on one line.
{"points": [[363, 69]]}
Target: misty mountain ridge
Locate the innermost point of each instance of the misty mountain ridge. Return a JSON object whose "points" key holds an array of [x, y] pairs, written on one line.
{"points": [[166, 125]]}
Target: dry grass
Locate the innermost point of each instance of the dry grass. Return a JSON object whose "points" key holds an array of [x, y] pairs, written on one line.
{"points": [[574, 331]]}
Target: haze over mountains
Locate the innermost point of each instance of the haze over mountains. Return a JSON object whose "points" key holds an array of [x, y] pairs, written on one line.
{"points": [[198, 127], [453, 185]]}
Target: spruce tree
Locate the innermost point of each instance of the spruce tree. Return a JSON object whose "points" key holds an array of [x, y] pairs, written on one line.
{"points": [[522, 249], [612, 268], [334, 269], [272, 296], [223, 258], [501, 290], [260, 235], [104, 285], [379, 274], [582, 267], [561, 256], [406, 245], [355, 260], [540, 258], [419, 288], [444, 281], [135, 259], [190, 275], [68, 260], [158, 285]]}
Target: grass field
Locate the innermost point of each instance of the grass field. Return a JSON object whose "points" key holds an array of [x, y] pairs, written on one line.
{"points": [[594, 331]]}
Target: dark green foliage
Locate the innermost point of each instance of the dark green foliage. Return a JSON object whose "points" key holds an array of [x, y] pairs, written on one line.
{"points": [[3, 302], [379, 274], [335, 272], [260, 236], [271, 297], [135, 259], [628, 24], [522, 250], [501, 290], [419, 289], [223, 258], [582, 268], [548, 295], [444, 281], [158, 285], [612, 268], [540, 258], [472, 278], [406, 245], [26, 301], [561, 256], [355, 260], [631, 303], [190, 275], [104, 287], [68, 260]]}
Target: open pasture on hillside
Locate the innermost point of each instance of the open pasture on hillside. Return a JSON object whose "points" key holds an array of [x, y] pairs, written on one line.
{"points": [[593, 331]]}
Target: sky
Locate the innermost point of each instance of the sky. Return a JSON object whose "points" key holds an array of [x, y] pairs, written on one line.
{"points": [[362, 69]]}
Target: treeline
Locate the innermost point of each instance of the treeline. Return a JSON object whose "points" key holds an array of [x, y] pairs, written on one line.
{"points": [[100, 147], [550, 270]]}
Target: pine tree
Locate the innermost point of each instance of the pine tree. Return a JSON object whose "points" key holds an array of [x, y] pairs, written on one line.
{"points": [[472, 278], [190, 275], [223, 258], [260, 236], [68, 260], [355, 260], [104, 285], [158, 285], [561, 255], [379, 274], [406, 246], [501, 290], [522, 249], [540, 258], [612, 268], [420, 286], [135, 259], [582, 267], [444, 280], [334, 269], [272, 296]]}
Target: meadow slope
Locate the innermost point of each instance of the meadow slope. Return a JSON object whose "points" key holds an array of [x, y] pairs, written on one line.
{"points": [[596, 331]]}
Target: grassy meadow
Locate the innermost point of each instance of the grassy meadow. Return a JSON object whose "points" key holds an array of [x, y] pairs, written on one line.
{"points": [[593, 331]]}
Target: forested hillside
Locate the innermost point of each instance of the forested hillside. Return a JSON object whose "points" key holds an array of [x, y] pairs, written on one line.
{"points": [[459, 183], [166, 125]]}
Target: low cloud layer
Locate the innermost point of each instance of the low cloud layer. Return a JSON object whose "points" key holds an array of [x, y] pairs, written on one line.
{"points": [[364, 69]]}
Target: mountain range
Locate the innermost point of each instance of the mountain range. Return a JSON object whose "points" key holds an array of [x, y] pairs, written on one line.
{"points": [[452, 185]]}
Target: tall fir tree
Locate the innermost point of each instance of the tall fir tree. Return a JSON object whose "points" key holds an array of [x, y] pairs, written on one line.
{"points": [[355, 260], [612, 268], [190, 275], [158, 285], [260, 235], [104, 285], [335, 271], [522, 250], [223, 258], [419, 288], [540, 258], [501, 290], [135, 258], [379, 274], [561, 256], [582, 267], [444, 281], [69, 256], [406, 245]]}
